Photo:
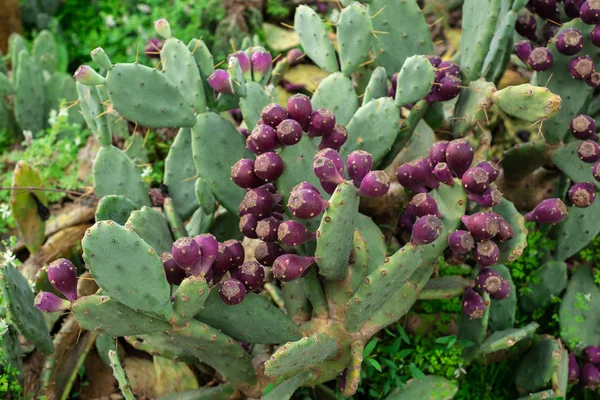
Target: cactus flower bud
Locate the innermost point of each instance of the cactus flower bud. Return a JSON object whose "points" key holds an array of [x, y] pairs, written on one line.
{"points": [[86, 75], [294, 57], [269, 166], [374, 184], [359, 164], [306, 204], [261, 65], [472, 304], [62, 275], [482, 225], [582, 194], [461, 241], [173, 272], [49, 302], [336, 139], [162, 27], [442, 174], [426, 230], [486, 253], [523, 49], [290, 266], [590, 12], [475, 180], [299, 108], [322, 122], [243, 175], [294, 233], [569, 42], [423, 204], [273, 114], [187, 254], [266, 253], [219, 81], [573, 368], [459, 156], [589, 151], [232, 292], [589, 375], [251, 274], [489, 198], [549, 211], [289, 132], [437, 152]]}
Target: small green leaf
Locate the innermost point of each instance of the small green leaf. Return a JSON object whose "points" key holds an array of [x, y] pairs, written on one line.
{"points": [[403, 333], [369, 348], [416, 372], [404, 353], [374, 363]]}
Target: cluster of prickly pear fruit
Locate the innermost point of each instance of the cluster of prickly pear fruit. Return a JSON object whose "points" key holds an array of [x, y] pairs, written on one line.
{"points": [[586, 371]]}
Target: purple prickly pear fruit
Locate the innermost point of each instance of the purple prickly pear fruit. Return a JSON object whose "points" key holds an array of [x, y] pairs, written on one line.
{"points": [[589, 12], [472, 304], [447, 68], [273, 114], [569, 42], [392, 93], [258, 202], [261, 64], [488, 281], [475, 180], [266, 253], [243, 61], [437, 152], [289, 132], [503, 292], [449, 88], [334, 156], [294, 233], [322, 122], [288, 267], [460, 242], [306, 204], [589, 375], [489, 198], [359, 164], [546, 9], [423, 204], [232, 292], [251, 274], [236, 249], [248, 224], [328, 187], [395, 82], [173, 272], [572, 7], [153, 48], [219, 81], [459, 156], [523, 49], [325, 170], [294, 57], [482, 225], [269, 166], [426, 230], [573, 368], [405, 178], [582, 194], [262, 139], [222, 264], [421, 170], [336, 139], [209, 246], [549, 30], [596, 171], [243, 175], [491, 168], [526, 25], [49, 302], [592, 354], [443, 174], [245, 132], [266, 229], [505, 231], [588, 151], [540, 59], [434, 60], [299, 108], [581, 67], [374, 184], [278, 216], [595, 36], [593, 80], [486, 253], [62, 275], [305, 185], [549, 211], [187, 255]]}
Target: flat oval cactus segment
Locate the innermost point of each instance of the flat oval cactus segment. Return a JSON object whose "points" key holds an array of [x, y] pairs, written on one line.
{"points": [[314, 39], [300, 355]]}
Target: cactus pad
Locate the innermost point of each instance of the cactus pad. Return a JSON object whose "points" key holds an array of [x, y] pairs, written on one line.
{"points": [[550, 280], [429, 387], [375, 240], [512, 249], [577, 230], [90, 104], [502, 340], [527, 102], [119, 375], [45, 51], [415, 80], [152, 227], [377, 86], [472, 105], [180, 172], [567, 160], [286, 389], [314, 39], [189, 298], [336, 93], [536, 367], [115, 208], [300, 355], [253, 103], [354, 35], [29, 94], [444, 287], [205, 196]]}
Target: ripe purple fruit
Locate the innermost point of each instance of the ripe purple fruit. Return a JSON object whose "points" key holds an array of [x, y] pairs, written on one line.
{"points": [[248, 225], [434, 60], [322, 122], [222, 263], [209, 247], [489, 198], [49, 302], [503, 292], [242, 174], [546, 9], [273, 114], [407, 220], [437, 152], [421, 170], [258, 202], [232, 292], [596, 171], [187, 255], [359, 164], [266, 229], [305, 185], [549, 211], [62, 275], [299, 108], [595, 36], [573, 368], [244, 62], [486, 253], [442, 174], [294, 56], [491, 168], [447, 68], [426, 230], [540, 59], [523, 49], [588, 151], [459, 156], [269, 166], [593, 80], [572, 7], [374, 184], [153, 47], [590, 12], [325, 169], [294, 233], [219, 81], [173, 272], [592, 354], [460, 242], [526, 25], [336, 139], [290, 266], [505, 231], [266, 253], [251, 274], [423, 204], [262, 139], [589, 375], [306, 204], [482, 225], [488, 281], [289, 132], [582, 127], [581, 67], [582, 194], [236, 249], [261, 64], [472, 304], [475, 180]]}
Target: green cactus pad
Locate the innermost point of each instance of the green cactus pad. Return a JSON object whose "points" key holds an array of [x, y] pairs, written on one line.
{"points": [[336, 93], [90, 104], [296, 302], [377, 86], [474, 330], [536, 367], [254, 320], [127, 268], [253, 103], [472, 105], [143, 95], [173, 376], [216, 146], [180, 69], [575, 93], [578, 230], [401, 31], [355, 36], [136, 150], [430, 387], [445, 287], [314, 39], [579, 313], [567, 160], [11, 348], [180, 172], [119, 375], [189, 299], [105, 343], [16, 44], [549, 281], [502, 312], [100, 57], [381, 284], [175, 222], [152, 227], [285, 390], [45, 51], [502, 340], [225, 226], [524, 158], [236, 77], [222, 392], [199, 223], [373, 128], [301, 354], [24, 208], [544, 395], [6, 87], [19, 298], [204, 60], [527, 102], [115, 173], [415, 80], [316, 295], [560, 378], [375, 240], [334, 236], [29, 97], [115, 208], [205, 196], [512, 249], [104, 315]]}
